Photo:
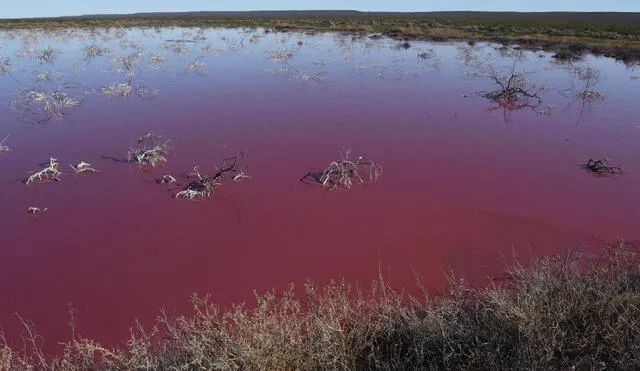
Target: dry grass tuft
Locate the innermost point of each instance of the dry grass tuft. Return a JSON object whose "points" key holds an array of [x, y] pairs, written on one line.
{"points": [[567, 312]]}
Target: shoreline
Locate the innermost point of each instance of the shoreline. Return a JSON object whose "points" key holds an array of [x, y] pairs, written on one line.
{"points": [[614, 35]]}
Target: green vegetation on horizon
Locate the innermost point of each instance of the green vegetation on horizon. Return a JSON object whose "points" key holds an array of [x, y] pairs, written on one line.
{"points": [[612, 34]]}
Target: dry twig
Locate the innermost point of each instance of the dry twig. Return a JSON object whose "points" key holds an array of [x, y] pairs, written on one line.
{"points": [[49, 173]]}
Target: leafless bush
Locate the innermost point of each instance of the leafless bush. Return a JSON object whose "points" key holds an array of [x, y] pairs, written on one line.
{"points": [[127, 44], [204, 185], [469, 55], [281, 56], [156, 61], [118, 89], [512, 88], [584, 83], [126, 89], [35, 210], [344, 173], [430, 57], [5, 65], [3, 147], [48, 174], [93, 51], [166, 179], [197, 66], [41, 105], [602, 168], [150, 150], [174, 47], [126, 62], [47, 55], [210, 49], [46, 76], [83, 168]]}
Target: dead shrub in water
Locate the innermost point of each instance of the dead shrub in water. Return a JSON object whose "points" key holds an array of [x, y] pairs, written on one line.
{"points": [[198, 66], [48, 174], [3, 147], [5, 65], [513, 90], [46, 55], [126, 89], [344, 173], [583, 84], [83, 168], [204, 185], [92, 51], [601, 168], [150, 150], [40, 105]]}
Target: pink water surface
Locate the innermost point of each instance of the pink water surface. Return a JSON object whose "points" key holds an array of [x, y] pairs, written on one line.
{"points": [[462, 192]]}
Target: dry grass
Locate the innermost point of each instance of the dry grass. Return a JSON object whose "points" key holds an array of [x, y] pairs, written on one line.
{"points": [[558, 313]]}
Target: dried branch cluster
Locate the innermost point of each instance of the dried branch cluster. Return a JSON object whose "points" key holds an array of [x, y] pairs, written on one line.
{"points": [[42, 105], [344, 173], [46, 55], [589, 78], [83, 168], [204, 185], [513, 89], [5, 65], [93, 51], [150, 150], [601, 167], [49, 173], [4, 148]]}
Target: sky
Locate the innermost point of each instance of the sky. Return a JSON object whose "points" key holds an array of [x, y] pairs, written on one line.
{"points": [[54, 8]]}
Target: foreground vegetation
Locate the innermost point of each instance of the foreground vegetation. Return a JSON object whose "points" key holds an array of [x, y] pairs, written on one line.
{"points": [[612, 34], [562, 313]]}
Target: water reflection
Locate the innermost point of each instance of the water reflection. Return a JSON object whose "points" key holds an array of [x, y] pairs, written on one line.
{"points": [[302, 57]]}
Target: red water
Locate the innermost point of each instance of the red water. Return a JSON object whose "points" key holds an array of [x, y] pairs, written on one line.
{"points": [[462, 192]]}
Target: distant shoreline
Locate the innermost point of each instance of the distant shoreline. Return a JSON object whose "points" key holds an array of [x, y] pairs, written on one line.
{"points": [[611, 34]]}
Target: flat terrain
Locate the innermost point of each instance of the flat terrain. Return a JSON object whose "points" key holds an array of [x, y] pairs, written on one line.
{"points": [[603, 33]]}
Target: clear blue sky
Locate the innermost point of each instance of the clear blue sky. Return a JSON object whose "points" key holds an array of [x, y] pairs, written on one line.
{"points": [[51, 8]]}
